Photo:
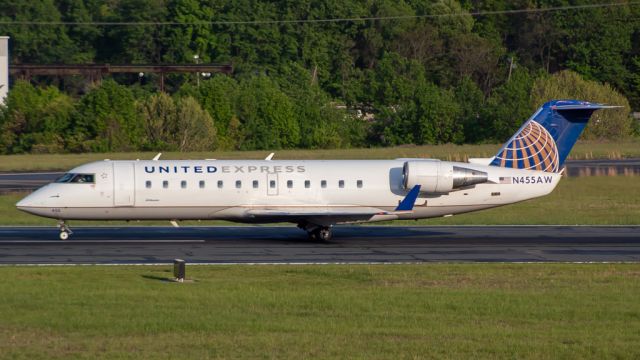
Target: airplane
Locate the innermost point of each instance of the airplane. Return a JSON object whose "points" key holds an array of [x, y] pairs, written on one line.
{"points": [[317, 194]]}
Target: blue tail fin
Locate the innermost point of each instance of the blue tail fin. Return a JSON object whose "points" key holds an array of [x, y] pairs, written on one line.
{"points": [[545, 140]]}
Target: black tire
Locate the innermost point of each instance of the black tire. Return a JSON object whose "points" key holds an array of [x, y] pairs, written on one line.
{"points": [[324, 234], [313, 235]]}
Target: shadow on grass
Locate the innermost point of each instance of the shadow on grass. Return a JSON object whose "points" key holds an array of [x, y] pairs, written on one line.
{"points": [[159, 278], [167, 279]]}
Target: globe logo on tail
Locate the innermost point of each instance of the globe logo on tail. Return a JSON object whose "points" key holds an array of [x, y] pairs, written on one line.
{"points": [[532, 148]]}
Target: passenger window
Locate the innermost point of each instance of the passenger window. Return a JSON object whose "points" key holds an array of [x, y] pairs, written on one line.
{"points": [[359, 184], [272, 184], [238, 184], [307, 184], [341, 184], [220, 184], [255, 184], [165, 184], [201, 184], [289, 184], [323, 184], [148, 184], [183, 184]]}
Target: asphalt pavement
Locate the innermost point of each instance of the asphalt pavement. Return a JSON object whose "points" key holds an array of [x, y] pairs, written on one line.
{"points": [[350, 244]]}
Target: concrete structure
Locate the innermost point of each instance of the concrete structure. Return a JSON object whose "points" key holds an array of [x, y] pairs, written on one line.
{"points": [[4, 68], [95, 72]]}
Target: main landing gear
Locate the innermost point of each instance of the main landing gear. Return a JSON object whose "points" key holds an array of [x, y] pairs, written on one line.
{"points": [[317, 233], [65, 232]]}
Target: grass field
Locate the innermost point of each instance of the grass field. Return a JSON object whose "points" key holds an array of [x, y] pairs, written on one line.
{"points": [[585, 200], [523, 311], [61, 162]]}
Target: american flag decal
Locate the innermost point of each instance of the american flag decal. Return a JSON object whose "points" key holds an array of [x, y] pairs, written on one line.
{"points": [[505, 180]]}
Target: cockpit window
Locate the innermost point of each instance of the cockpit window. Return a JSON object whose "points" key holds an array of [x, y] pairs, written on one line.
{"points": [[65, 178], [77, 178]]}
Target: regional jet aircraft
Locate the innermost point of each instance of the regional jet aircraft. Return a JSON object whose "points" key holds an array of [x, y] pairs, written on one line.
{"points": [[316, 195]]}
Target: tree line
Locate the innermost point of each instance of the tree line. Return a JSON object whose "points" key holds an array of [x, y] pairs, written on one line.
{"points": [[419, 80]]}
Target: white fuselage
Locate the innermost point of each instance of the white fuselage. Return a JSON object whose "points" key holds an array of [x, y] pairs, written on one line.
{"points": [[230, 189]]}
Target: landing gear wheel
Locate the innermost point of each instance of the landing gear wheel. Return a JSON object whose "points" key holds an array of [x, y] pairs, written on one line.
{"points": [[316, 232], [323, 233], [65, 232]]}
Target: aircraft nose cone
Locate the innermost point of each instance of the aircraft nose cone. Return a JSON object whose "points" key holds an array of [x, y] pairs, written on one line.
{"points": [[25, 203]]}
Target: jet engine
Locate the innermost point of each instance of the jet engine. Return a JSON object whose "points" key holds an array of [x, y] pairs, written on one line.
{"points": [[439, 177]]}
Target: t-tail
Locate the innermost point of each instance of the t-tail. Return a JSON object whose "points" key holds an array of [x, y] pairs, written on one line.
{"points": [[545, 140]]}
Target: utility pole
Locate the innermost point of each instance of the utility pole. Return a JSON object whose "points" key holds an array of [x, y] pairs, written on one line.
{"points": [[196, 58], [510, 68], [4, 68]]}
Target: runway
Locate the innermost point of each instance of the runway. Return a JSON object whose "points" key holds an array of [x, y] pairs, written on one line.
{"points": [[351, 244]]}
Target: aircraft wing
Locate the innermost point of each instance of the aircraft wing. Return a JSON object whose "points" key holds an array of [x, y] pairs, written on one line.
{"points": [[333, 214]]}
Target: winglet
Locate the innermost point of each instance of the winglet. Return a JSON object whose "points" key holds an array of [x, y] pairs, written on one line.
{"points": [[270, 156], [155, 158], [407, 203]]}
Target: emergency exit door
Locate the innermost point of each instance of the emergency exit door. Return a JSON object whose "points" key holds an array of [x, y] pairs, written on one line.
{"points": [[123, 183]]}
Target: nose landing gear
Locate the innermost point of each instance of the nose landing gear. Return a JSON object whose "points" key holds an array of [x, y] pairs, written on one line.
{"points": [[65, 232]]}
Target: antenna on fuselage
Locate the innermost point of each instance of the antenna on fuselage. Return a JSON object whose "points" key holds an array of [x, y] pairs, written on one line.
{"points": [[268, 158], [155, 158]]}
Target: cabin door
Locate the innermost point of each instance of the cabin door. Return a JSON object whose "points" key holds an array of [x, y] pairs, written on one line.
{"points": [[272, 184], [123, 184]]}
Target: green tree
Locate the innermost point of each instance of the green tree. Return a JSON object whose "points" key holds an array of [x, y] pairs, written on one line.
{"points": [[35, 119], [471, 101], [430, 116], [436, 116], [140, 44], [218, 96], [83, 37], [611, 124], [322, 123], [35, 43], [185, 41], [267, 115], [159, 117], [507, 107], [106, 120], [194, 127]]}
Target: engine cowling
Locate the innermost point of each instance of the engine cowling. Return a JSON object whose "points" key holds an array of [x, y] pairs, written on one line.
{"points": [[439, 177]]}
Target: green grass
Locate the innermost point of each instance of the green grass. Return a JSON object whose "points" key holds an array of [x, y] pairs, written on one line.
{"points": [[597, 200], [523, 311], [61, 162]]}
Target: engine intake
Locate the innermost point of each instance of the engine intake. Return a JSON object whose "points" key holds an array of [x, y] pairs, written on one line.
{"points": [[435, 176]]}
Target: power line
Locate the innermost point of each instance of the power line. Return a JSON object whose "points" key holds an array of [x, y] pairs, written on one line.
{"points": [[303, 21]]}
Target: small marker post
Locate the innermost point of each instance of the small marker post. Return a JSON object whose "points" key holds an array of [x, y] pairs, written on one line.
{"points": [[179, 269]]}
